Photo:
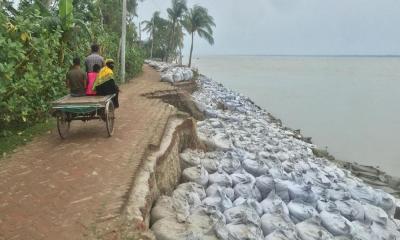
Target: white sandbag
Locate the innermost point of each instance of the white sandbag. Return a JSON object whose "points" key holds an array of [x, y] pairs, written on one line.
{"points": [[198, 227], [282, 189], [167, 77], [311, 229], [386, 201], [202, 225], [278, 173], [189, 159], [255, 167], [185, 198], [230, 165], [288, 166], [363, 193], [220, 202], [362, 231], [212, 191], [283, 233], [335, 195], [335, 223], [211, 165], [184, 204], [162, 209], [374, 214], [247, 190], [265, 184], [326, 206], [220, 178], [351, 209], [384, 232], [169, 229], [221, 140], [188, 74], [303, 193], [342, 238], [195, 174], [240, 232], [274, 204], [242, 215], [251, 203], [241, 176], [184, 188], [392, 225], [178, 76], [300, 211], [271, 222]]}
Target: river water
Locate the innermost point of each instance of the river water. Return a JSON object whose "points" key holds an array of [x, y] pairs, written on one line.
{"points": [[351, 105]]}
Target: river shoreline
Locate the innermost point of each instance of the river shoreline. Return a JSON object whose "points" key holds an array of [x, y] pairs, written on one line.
{"points": [[252, 157], [340, 102], [372, 175]]}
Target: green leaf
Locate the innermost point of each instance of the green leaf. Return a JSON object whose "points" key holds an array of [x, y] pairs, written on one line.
{"points": [[65, 13]]}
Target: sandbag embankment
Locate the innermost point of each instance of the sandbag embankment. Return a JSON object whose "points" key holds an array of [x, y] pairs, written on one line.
{"points": [[172, 73], [262, 182]]}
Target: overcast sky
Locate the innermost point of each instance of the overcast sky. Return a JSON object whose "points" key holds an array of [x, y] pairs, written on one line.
{"points": [[310, 27]]}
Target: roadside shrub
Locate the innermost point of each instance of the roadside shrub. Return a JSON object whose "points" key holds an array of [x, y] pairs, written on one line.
{"points": [[30, 77]]}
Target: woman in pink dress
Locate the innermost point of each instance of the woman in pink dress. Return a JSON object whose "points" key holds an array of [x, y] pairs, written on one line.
{"points": [[91, 78]]}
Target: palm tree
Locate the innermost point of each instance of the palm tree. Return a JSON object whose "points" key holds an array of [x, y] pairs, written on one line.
{"points": [[150, 27], [175, 13], [197, 20]]}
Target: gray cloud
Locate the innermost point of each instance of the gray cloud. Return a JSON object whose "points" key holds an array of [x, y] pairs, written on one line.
{"points": [[297, 26]]}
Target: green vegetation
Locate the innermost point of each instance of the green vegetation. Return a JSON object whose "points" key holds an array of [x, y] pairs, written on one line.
{"points": [[38, 41], [18, 137], [167, 35], [175, 14], [40, 38]]}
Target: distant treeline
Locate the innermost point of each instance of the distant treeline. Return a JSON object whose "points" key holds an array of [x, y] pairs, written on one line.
{"points": [[167, 35]]}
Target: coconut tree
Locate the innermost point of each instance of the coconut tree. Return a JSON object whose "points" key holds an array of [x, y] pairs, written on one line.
{"points": [[175, 14], [197, 20], [150, 27]]}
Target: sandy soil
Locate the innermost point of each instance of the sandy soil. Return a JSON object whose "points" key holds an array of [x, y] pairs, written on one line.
{"points": [[69, 189]]}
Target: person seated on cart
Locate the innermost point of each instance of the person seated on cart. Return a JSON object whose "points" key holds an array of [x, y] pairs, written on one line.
{"points": [[93, 59], [91, 78], [76, 79], [105, 83]]}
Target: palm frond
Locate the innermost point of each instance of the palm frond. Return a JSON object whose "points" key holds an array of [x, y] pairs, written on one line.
{"points": [[84, 27], [43, 9], [204, 34]]}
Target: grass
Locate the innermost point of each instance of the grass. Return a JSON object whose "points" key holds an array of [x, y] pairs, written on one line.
{"points": [[20, 137]]}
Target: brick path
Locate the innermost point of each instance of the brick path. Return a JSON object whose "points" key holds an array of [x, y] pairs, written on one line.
{"points": [[64, 189]]}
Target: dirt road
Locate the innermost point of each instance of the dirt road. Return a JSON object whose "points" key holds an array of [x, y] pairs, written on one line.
{"points": [[67, 189]]}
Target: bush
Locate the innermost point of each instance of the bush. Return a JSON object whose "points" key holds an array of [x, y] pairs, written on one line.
{"points": [[31, 72], [30, 77]]}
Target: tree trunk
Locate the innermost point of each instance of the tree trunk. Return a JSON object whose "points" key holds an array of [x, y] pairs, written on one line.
{"points": [[170, 40], [101, 19], [123, 41], [180, 56], [191, 51], [119, 51], [152, 42]]}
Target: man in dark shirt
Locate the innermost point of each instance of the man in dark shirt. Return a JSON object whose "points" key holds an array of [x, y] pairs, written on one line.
{"points": [[76, 79], [93, 59]]}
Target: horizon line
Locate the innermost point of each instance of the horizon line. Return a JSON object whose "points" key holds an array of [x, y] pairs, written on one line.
{"points": [[304, 55]]}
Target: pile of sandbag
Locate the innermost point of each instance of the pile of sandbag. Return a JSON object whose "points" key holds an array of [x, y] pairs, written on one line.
{"points": [[177, 74], [171, 72], [260, 182], [159, 66]]}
